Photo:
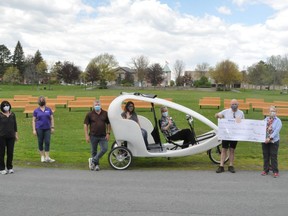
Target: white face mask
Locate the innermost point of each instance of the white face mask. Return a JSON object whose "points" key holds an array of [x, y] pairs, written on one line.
{"points": [[6, 108], [165, 113], [272, 114]]}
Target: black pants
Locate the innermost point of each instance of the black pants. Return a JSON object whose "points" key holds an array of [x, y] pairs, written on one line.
{"points": [[270, 155], [6, 143], [186, 135]]}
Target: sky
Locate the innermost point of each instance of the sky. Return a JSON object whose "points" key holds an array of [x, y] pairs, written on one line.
{"points": [[192, 31]]}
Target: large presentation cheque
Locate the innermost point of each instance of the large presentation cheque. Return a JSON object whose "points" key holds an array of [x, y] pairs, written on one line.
{"points": [[242, 130]]}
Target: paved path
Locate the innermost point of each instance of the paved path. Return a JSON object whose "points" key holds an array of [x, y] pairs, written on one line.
{"points": [[56, 192]]}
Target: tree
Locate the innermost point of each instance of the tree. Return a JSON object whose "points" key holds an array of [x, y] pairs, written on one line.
{"points": [[128, 79], [69, 73], [12, 75], [179, 70], [226, 73], [19, 58], [93, 73], [187, 79], [140, 64], [55, 72], [105, 64], [259, 74], [155, 74], [5, 58], [278, 67], [202, 69]]}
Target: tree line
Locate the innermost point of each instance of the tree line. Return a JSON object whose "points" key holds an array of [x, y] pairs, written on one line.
{"points": [[17, 68]]}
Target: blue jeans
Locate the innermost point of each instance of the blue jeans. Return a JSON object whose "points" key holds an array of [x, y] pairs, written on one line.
{"points": [[43, 137], [102, 141]]}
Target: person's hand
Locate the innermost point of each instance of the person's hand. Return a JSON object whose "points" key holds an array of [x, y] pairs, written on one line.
{"points": [[107, 136], [52, 130], [34, 132], [16, 138], [87, 139], [267, 140]]}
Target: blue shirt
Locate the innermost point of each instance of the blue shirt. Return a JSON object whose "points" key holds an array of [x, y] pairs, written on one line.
{"points": [[276, 127], [43, 118]]}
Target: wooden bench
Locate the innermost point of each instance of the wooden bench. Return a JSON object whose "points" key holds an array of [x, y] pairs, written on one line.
{"points": [[29, 109], [209, 103], [6, 99], [261, 105], [55, 101], [281, 103], [254, 100], [86, 98], [65, 97], [281, 112], [18, 104], [21, 97], [80, 104], [212, 98]]}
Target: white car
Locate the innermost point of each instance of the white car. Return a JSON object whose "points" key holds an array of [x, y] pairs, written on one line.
{"points": [[129, 141]]}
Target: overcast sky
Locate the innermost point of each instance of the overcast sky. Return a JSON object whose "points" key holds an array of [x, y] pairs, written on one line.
{"points": [[194, 31]]}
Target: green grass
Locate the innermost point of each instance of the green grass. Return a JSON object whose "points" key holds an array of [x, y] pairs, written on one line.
{"points": [[69, 148]]}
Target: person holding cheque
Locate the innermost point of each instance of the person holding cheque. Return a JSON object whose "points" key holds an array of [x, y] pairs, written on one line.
{"points": [[271, 144], [231, 113]]}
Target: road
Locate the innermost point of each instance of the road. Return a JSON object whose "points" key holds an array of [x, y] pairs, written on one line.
{"points": [[57, 192]]}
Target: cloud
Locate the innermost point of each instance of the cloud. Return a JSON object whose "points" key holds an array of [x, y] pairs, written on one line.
{"points": [[224, 10], [77, 32]]}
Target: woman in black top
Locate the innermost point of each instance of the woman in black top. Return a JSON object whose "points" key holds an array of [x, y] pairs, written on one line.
{"points": [[8, 136]]}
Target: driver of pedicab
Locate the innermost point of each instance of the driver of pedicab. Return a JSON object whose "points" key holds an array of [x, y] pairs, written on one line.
{"points": [[129, 113], [172, 132]]}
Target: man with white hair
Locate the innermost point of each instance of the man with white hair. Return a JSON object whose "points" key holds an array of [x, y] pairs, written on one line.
{"points": [[232, 113]]}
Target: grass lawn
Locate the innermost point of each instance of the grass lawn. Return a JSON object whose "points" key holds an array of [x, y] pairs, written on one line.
{"points": [[70, 150]]}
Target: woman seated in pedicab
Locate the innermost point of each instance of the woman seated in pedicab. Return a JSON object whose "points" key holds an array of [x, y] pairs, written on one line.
{"points": [[170, 130], [129, 113]]}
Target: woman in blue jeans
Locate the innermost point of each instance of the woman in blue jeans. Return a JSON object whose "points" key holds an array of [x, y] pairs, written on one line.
{"points": [[271, 144], [43, 126]]}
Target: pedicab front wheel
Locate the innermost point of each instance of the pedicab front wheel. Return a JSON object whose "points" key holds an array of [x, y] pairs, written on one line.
{"points": [[120, 158], [215, 154]]}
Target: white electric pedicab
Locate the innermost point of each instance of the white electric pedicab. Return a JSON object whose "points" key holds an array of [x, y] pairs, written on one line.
{"points": [[129, 141]]}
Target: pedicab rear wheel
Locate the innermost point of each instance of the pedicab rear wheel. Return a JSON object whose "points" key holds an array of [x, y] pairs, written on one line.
{"points": [[215, 154], [120, 158]]}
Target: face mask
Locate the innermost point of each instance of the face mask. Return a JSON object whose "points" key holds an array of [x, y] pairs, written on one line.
{"points": [[234, 107], [165, 114], [42, 103], [6, 108], [97, 108], [272, 114]]}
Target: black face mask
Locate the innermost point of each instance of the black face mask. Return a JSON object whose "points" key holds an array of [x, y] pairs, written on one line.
{"points": [[42, 103]]}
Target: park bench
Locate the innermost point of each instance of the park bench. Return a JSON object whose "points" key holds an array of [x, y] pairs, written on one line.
{"points": [[254, 100], [210, 103], [80, 104], [280, 103], [65, 97], [281, 112], [55, 101], [261, 105], [21, 97], [86, 98], [29, 109], [18, 104], [6, 99]]}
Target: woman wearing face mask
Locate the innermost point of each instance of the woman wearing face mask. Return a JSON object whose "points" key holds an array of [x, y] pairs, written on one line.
{"points": [[231, 113], [43, 126], [271, 144], [98, 123], [8, 136], [129, 113], [171, 131]]}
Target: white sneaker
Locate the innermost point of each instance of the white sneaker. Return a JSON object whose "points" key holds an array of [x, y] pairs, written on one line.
{"points": [[97, 168], [43, 159], [50, 160], [10, 171], [90, 164], [3, 172]]}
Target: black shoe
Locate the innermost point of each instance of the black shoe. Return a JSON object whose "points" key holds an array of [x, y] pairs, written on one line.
{"points": [[231, 169], [220, 169]]}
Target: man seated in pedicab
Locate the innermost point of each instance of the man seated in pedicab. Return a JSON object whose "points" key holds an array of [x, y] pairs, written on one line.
{"points": [[129, 113], [169, 128]]}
